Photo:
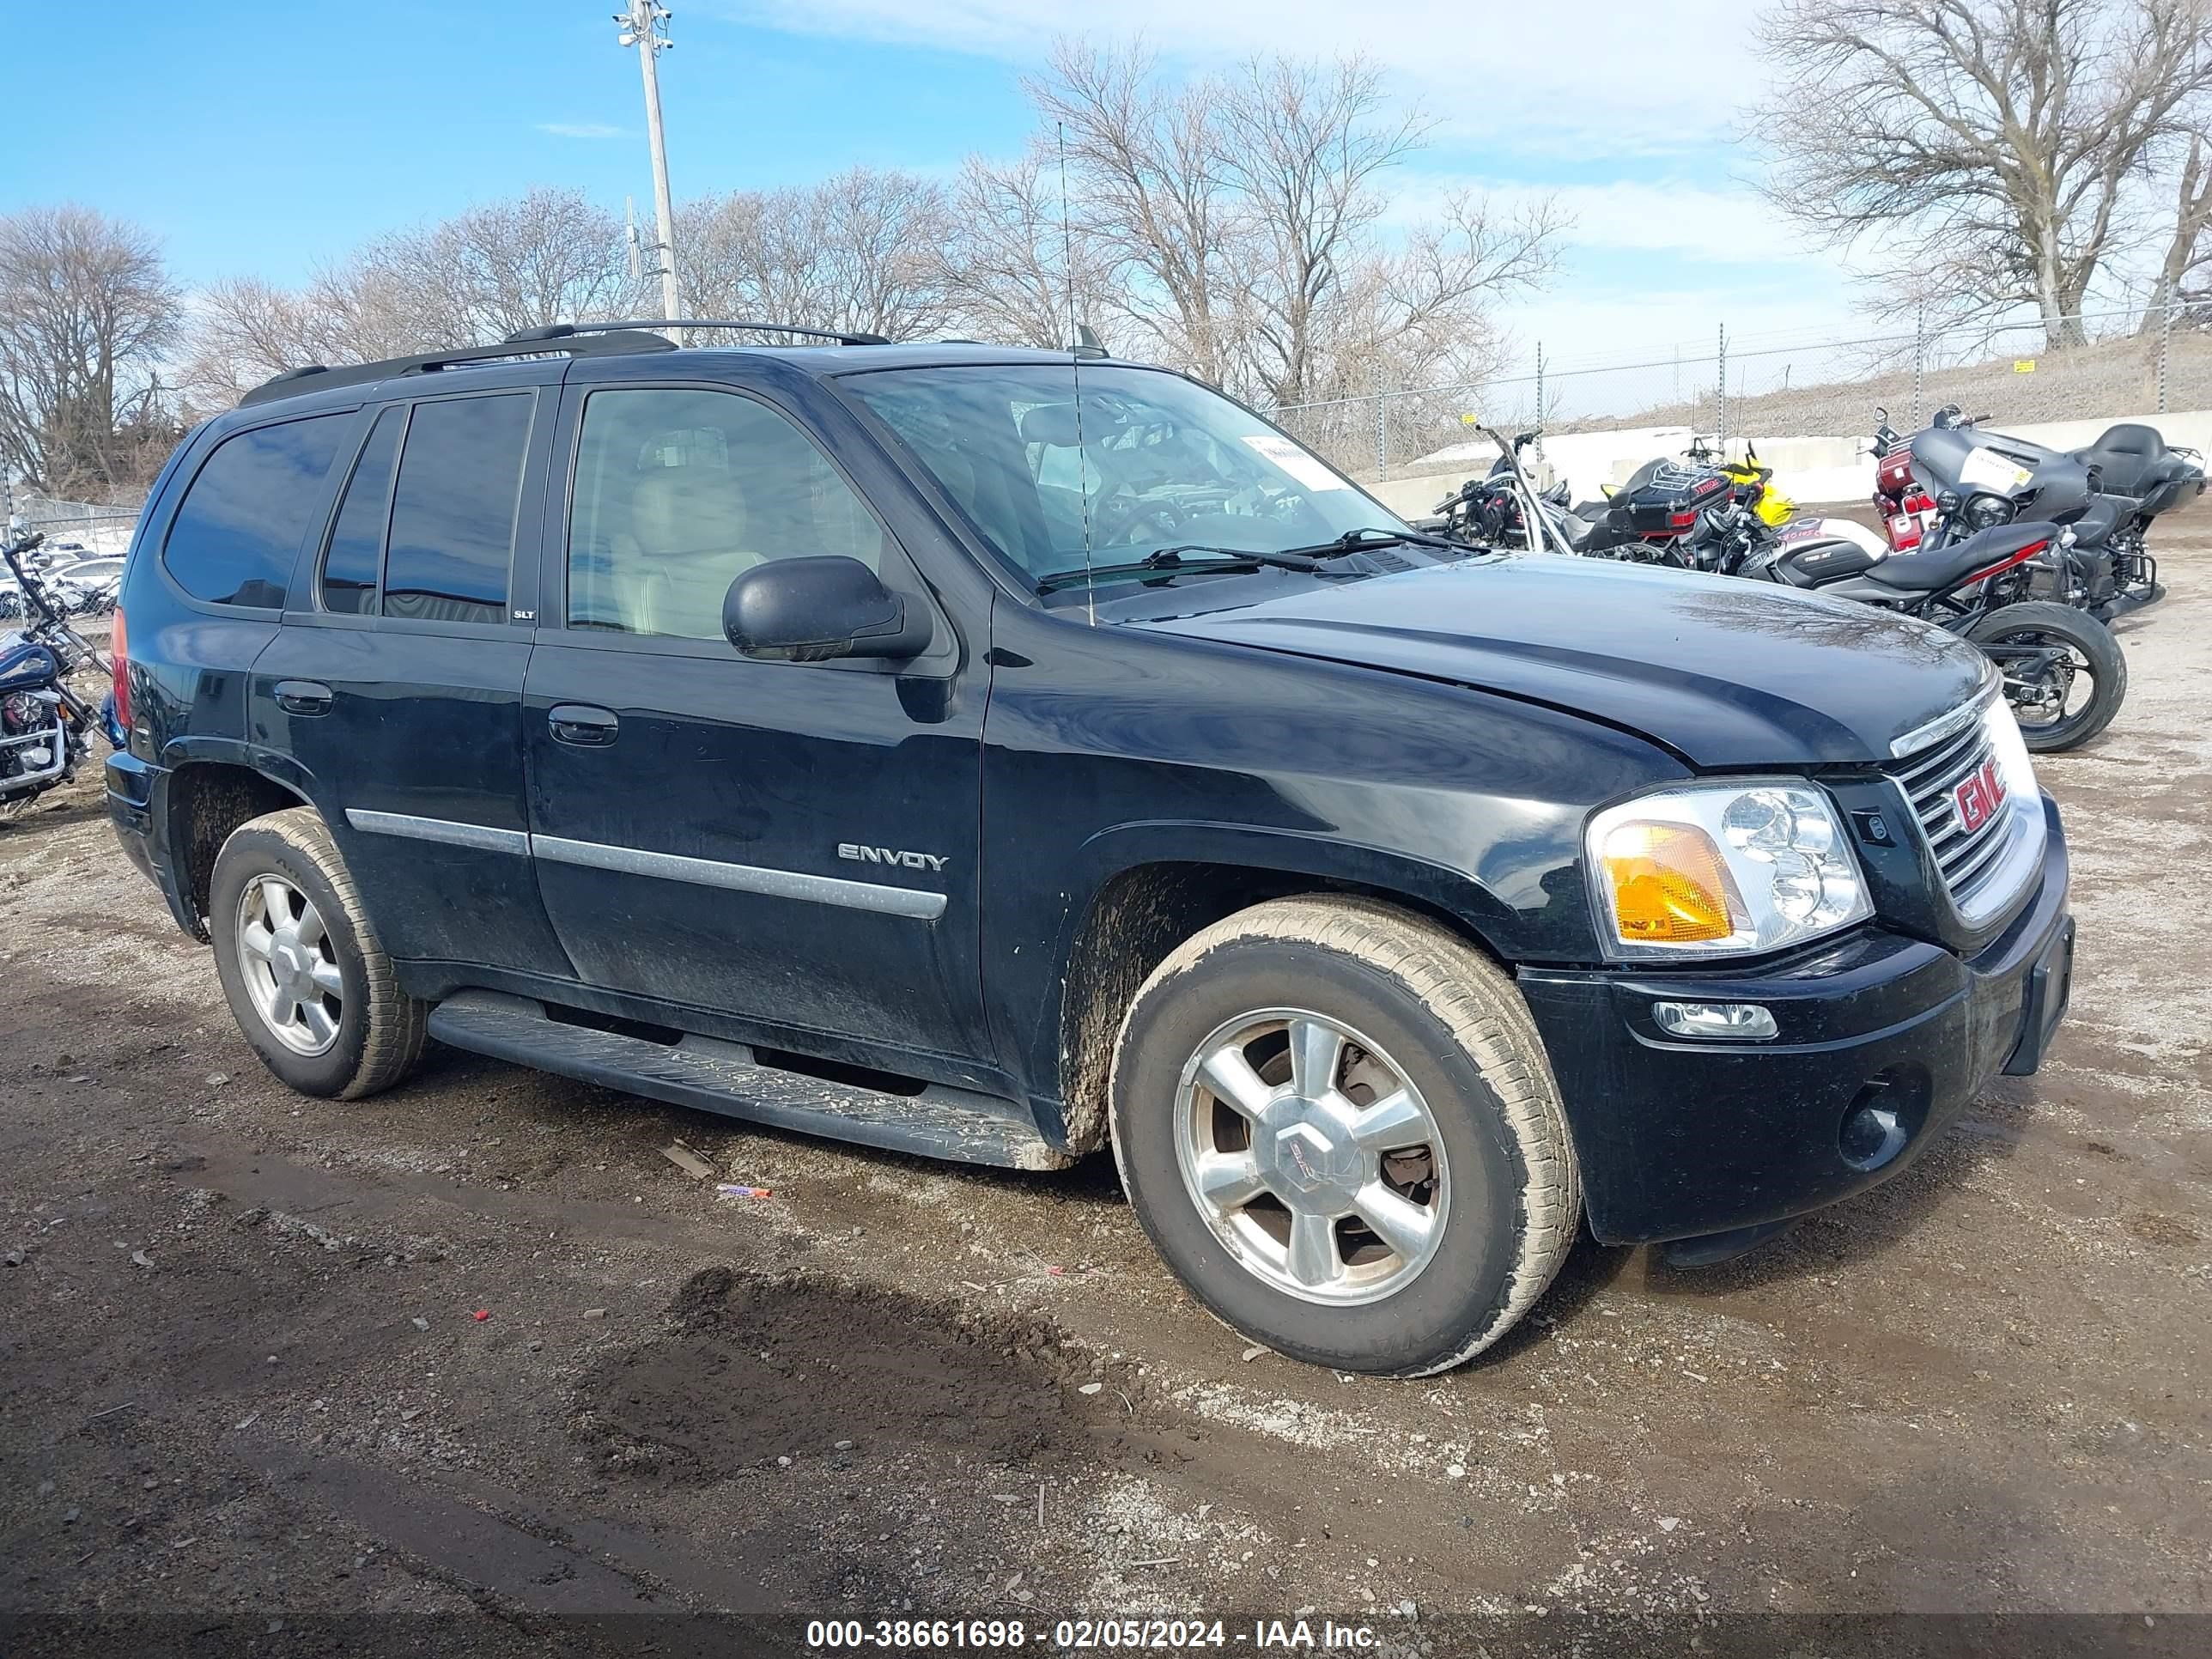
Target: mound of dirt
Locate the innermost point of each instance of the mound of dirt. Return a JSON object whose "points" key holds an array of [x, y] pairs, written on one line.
{"points": [[762, 1368]]}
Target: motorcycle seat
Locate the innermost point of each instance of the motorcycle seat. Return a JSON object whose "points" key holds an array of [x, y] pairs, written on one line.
{"points": [[2132, 459], [1927, 573], [1576, 532], [1643, 476], [2104, 515]]}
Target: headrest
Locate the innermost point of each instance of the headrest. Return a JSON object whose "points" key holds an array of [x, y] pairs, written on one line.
{"points": [[687, 509]]}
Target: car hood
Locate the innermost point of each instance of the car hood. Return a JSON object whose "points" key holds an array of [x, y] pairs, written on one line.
{"points": [[1725, 672]]}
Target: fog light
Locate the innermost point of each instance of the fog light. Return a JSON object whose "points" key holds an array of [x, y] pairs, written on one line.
{"points": [[1872, 1132], [1740, 1022]]}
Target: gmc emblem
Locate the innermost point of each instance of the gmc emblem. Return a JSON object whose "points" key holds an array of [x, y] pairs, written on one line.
{"points": [[1979, 796]]}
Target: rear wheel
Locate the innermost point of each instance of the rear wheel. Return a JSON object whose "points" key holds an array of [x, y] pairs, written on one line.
{"points": [[306, 976], [2064, 674], [1336, 1123]]}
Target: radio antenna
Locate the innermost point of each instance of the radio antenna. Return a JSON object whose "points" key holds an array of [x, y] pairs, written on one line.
{"points": [[1075, 373]]}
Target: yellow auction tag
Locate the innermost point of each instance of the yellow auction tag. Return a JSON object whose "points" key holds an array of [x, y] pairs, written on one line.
{"points": [[2023, 365], [1470, 419]]}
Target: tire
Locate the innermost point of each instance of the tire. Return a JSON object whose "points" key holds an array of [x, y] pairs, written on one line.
{"points": [[2043, 622], [1430, 1024], [376, 1031]]}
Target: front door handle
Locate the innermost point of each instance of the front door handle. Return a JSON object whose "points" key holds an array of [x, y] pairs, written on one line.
{"points": [[303, 697], [582, 725]]}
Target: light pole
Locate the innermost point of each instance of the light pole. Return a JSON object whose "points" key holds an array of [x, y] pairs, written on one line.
{"points": [[644, 26]]}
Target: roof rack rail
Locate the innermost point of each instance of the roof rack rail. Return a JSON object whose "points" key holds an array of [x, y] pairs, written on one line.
{"points": [[562, 331], [591, 342]]}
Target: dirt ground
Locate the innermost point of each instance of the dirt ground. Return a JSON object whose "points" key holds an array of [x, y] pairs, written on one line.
{"points": [[473, 1367]]}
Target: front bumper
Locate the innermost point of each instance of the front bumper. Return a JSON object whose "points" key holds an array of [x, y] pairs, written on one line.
{"points": [[1677, 1139]]}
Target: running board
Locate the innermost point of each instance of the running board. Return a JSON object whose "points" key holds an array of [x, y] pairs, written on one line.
{"points": [[724, 1076]]}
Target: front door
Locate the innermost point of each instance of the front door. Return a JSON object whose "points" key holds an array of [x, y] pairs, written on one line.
{"points": [[793, 845]]}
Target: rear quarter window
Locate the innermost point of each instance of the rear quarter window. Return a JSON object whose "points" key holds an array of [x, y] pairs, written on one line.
{"points": [[238, 529], [453, 508]]}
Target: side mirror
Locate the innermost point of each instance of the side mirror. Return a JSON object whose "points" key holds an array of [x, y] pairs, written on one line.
{"points": [[812, 610]]}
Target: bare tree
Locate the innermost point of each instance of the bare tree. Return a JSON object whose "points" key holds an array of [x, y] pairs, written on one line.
{"points": [[550, 256], [1015, 266], [2185, 274], [1150, 195], [1301, 144], [1305, 146], [243, 330], [858, 252], [1239, 222], [87, 310], [1997, 146]]}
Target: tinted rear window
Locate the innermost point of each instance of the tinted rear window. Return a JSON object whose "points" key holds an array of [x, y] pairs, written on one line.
{"points": [[238, 529], [357, 538], [453, 511]]}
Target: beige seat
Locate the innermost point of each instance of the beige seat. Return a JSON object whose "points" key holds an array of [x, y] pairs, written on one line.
{"points": [[686, 543]]}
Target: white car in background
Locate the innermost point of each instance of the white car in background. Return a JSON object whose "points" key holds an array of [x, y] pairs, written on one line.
{"points": [[89, 586]]}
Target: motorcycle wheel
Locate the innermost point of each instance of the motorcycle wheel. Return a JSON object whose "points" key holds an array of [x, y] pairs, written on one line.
{"points": [[2055, 711]]}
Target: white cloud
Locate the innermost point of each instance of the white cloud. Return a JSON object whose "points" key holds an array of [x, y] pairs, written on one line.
{"points": [[1647, 266], [581, 130], [1586, 78], [1722, 223]]}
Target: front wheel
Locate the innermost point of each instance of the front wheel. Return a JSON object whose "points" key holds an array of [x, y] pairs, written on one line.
{"points": [[2064, 674], [1337, 1124]]}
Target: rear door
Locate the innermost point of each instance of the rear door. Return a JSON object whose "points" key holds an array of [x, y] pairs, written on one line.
{"points": [[396, 684], [793, 844]]}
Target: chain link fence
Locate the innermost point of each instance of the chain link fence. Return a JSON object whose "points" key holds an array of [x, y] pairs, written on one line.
{"points": [[97, 526], [2116, 364]]}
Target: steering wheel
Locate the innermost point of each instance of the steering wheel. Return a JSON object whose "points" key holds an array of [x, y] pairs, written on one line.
{"points": [[1135, 522]]}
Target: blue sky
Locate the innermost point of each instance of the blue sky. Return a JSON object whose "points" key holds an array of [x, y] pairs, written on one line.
{"points": [[264, 139]]}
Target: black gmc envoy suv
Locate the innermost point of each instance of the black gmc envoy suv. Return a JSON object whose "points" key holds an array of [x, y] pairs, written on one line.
{"points": [[1005, 755]]}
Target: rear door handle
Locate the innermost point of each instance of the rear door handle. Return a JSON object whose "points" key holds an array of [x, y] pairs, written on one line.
{"points": [[303, 697], [582, 725]]}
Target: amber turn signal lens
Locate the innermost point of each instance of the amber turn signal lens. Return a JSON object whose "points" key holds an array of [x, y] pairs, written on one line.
{"points": [[1669, 886]]}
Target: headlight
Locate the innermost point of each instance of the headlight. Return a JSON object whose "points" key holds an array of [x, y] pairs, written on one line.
{"points": [[1722, 869], [2014, 764], [1983, 511]]}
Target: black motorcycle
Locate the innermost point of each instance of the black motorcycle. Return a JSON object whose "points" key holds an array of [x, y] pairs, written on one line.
{"points": [[1950, 480], [1647, 520], [2065, 674], [44, 724]]}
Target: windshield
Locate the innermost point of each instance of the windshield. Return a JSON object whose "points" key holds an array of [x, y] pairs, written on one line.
{"points": [[1150, 460]]}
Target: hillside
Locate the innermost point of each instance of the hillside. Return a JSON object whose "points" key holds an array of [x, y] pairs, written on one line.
{"points": [[1767, 394]]}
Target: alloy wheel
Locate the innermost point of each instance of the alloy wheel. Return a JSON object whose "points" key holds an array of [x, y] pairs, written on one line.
{"points": [[289, 966], [1312, 1155]]}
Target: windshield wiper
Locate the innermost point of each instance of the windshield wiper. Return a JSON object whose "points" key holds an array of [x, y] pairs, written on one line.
{"points": [[1356, 541], [1169, 562]]}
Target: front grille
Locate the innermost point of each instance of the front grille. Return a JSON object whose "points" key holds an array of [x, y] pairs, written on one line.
{"points": [[1931, 779]]}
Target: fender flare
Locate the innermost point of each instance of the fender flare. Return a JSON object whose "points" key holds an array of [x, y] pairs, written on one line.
{"points": [[1071, 1079]]}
